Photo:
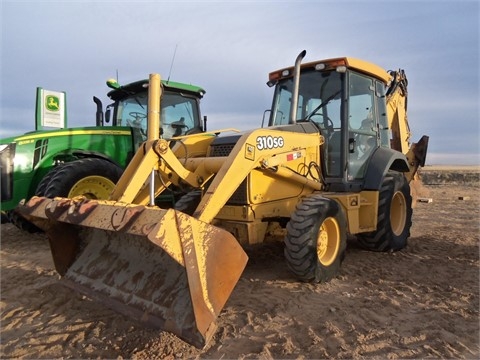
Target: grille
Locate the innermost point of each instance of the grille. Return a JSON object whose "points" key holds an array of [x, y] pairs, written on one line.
{"points": [[6, 172], [239, 197], [221, 150]]}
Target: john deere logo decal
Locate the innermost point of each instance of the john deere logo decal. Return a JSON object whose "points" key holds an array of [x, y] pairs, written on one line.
{"points": [[52, 103], [53, 109]]}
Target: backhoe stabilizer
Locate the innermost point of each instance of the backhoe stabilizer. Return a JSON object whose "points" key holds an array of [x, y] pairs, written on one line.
{"points": [[161, 267]]}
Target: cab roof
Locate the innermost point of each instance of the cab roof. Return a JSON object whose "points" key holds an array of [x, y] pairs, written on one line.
{"points": [[330, 64], [140, 86]]}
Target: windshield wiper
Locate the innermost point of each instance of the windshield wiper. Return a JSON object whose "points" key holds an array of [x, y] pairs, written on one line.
{"points": [[322, 104], [138, 102]]}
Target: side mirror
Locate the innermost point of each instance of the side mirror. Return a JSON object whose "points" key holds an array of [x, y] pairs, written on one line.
{"points": [[108, 113]]}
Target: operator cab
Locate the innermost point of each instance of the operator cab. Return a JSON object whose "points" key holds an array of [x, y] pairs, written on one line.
{"points": [[348, 108], [179, 106]]}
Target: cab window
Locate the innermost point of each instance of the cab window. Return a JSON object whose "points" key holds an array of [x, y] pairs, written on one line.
{"points": [[362, 124]]}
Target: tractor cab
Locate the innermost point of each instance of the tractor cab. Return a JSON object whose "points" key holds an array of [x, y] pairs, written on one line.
{"points": [[180, 109], [345, 99]]}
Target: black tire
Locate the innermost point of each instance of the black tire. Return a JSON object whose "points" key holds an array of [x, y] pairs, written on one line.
{"points": [[21, 223], [316, 239], [394, 216], [188, 203], [43, 184], [90, 177]]}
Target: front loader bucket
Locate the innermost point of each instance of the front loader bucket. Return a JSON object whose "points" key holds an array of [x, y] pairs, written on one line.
{"points": [[161, 267]]}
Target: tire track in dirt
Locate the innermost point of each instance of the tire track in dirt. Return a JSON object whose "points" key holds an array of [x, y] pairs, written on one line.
{"points": [[416, 303]]}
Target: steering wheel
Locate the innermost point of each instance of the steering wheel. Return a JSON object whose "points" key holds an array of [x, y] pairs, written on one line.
{"points": [[326, 123], [137, 121], [329, 125], [138, 117]]}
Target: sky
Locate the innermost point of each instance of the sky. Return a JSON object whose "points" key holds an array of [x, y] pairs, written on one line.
{"points": [[229, 47]]}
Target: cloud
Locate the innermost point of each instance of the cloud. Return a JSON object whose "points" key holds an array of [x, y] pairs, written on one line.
{"points": [[230, 47]]}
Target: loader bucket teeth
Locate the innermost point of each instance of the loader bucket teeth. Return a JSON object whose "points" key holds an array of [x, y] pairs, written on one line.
{"points": [[161, 267]]}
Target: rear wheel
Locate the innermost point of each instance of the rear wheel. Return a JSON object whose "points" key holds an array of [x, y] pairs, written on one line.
{"points": [[89, 177], [316, 239], [394, 216]]}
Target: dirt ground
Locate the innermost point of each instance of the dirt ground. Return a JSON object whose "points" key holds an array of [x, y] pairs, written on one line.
{"points": [[421, 302]]}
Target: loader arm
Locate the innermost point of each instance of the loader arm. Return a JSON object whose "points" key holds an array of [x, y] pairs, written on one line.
{"points": [[134, 179], [228, 172], [252, 151], [171, 165]]}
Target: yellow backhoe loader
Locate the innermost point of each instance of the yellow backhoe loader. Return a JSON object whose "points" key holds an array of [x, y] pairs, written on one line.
{"points": [[334, 160]]}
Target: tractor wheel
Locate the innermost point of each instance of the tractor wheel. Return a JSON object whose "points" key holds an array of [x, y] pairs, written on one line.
{"points": [[21, 223], [42, 186], [394, 216], [89, 177], [188, 203], [316, 239]]}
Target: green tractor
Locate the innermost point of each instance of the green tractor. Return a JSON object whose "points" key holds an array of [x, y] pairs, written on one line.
{"points": [[89, 161]]}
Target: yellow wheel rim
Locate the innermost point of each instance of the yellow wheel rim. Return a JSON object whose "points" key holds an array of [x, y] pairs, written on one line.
{"points": [[92, 187], [398, 213], [328, 241]]}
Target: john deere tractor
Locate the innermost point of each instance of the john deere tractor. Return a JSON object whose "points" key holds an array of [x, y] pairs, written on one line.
{"points": [[89, 160]]}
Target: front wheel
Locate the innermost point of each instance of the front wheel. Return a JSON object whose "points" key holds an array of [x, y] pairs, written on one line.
{"points": [[188, 203], [316, 239], [394, 216]]}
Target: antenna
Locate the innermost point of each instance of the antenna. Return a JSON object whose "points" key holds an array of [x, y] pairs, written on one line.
{"points": [[171, 65], [117, 75]]}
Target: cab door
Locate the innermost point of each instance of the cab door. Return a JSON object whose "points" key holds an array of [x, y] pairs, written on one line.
{"points": [[362, 124]]}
